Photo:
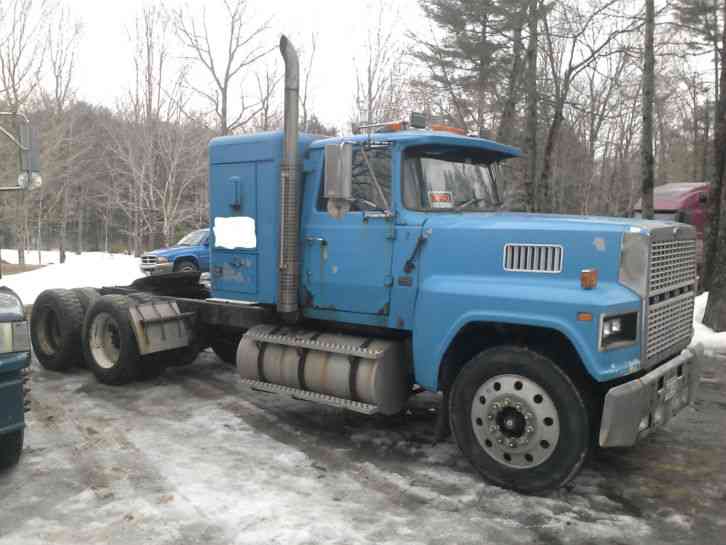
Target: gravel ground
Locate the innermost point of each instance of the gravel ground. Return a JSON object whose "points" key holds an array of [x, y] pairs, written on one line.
{"points": [[194, 457]]}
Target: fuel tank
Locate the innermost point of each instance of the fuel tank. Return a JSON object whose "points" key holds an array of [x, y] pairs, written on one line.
{"points": [[365, 370]]}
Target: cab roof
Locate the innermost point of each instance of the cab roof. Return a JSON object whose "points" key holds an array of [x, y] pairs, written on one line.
{"points": [[671, 196], [425, 138]]}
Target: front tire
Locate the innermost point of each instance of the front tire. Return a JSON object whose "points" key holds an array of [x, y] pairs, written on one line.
{"points": [[11, 446], [520, 420], [109, 343], [186, 265]]}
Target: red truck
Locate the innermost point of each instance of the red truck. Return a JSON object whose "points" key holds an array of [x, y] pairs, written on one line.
{"points": [[685, 203]]}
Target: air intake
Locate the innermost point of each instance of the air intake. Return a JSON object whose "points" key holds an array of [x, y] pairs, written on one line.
{"points": [[540, 258]]}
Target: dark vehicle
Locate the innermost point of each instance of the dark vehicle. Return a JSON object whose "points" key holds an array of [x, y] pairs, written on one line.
{"points": [[685, 203], [14, 362], [190, 254]]}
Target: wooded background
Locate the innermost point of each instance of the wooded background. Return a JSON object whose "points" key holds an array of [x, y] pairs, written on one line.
{"points": [[563, 79]]}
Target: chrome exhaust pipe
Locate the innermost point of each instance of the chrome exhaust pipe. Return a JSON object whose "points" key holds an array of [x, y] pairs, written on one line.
{"points": [[289, 261]]}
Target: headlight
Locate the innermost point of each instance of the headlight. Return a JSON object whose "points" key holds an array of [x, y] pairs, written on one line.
{"points": [[618, 331], [10, 305], [14, 334], [634, 262], [162, 259]]}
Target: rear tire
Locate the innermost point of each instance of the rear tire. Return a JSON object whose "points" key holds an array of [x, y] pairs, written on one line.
{"points": [[55, 329], [520, 420], [109, 343], [86, 297], [11, 446]]}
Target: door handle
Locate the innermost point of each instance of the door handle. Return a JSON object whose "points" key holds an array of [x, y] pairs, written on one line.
{"points": [[320, 240]]}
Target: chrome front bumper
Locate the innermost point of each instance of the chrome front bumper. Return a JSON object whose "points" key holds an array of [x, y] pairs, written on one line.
{"points": [[157, 268], [634, 409]]}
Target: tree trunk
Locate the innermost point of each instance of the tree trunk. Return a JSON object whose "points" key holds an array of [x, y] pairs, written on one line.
{"points": [[543, 197], [530, 142], [646, 141], [715, 254]]}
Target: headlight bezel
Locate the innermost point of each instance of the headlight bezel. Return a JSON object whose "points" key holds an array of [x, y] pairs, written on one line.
{"points": [[634, 261], [627, 335]]}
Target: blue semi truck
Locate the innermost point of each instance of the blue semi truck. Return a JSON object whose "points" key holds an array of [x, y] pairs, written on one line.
{"points": [[359, 270]]}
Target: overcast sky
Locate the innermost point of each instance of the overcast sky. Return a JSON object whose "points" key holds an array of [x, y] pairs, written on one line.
{"points": [[104, 67]]}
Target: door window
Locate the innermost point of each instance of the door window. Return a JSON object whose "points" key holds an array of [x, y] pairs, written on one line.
{"points": [[371, 179]]}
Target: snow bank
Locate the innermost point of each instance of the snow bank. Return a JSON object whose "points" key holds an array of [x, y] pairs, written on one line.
{"points": [[711, 341], [90, 269], [31, 256]]}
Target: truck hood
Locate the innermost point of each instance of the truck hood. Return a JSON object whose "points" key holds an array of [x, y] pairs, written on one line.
{"points": [[175, 251], [474, 243], [546, 222]]}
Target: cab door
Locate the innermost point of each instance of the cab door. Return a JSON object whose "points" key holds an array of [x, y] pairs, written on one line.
{"points": [[347, 261]]}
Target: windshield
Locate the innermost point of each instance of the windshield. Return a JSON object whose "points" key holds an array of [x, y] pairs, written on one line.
{"points": [[665, 216], [195, 238], [448, 179]]}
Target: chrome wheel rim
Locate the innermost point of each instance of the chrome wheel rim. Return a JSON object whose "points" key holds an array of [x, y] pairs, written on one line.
{"points": [[515, 421], [105, 340]]}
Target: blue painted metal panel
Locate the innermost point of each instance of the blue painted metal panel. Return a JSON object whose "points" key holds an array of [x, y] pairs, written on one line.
{"points": [[12, 412], [244, 180]]}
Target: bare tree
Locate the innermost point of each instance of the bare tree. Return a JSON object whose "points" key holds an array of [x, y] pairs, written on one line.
{"points": [[715, 315], [646, 140], [379, 90], [224, 65], [21, 57]]}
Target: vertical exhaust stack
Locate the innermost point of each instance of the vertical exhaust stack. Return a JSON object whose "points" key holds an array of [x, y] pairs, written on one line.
{"points": [[289, 263]]}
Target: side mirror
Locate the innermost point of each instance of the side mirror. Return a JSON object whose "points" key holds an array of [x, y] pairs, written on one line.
{"points": [[338, 180], [703, 197], [29, 177]]}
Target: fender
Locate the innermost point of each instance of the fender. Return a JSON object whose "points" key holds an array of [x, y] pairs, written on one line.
{"points": [[447, 304]]}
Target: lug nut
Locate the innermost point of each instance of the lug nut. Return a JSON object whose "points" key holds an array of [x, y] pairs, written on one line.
{"points": [[507, 401], [518, 406], [492, 428], [500, 441], [496, 406], [530, 429], [512, 444]]}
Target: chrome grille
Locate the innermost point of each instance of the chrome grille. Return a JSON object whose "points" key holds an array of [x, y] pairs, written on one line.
{"points": [[672, 284], [148, 260], [533, 258], [673, 265], [670, 324]]}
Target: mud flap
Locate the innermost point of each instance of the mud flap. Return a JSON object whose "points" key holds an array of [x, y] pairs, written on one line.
{"points": [[159, 325]]}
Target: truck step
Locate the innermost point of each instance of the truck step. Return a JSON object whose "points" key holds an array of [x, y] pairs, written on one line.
{"points": [[324, 399]]}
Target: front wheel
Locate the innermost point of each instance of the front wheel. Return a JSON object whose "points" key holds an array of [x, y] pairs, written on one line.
{"points": [[11, 446], [186, 265], [519, 419]]}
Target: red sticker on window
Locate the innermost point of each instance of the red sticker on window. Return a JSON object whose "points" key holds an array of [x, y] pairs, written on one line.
{"points": [[441, 199]]}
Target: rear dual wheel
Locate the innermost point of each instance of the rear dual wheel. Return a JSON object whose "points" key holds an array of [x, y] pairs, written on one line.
{"points": [[519, 419], [55, 329], [109, 343]]}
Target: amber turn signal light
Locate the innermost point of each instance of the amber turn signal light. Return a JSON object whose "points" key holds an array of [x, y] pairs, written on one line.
{"points": [[584, 317], [588, 279]]}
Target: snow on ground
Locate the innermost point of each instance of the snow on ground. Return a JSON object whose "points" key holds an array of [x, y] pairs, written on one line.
{"points": [[90, 269], [32, 257], [712, 342]]}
